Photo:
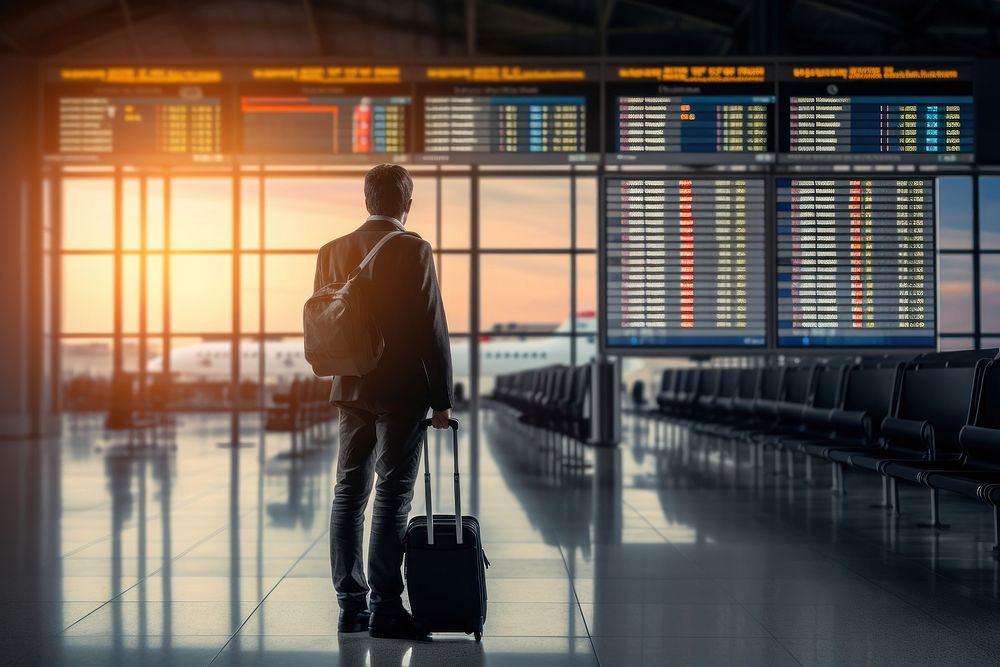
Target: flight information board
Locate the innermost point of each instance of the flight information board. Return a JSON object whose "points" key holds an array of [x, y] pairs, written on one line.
{"points": [[877, 114], [508, 114], [324, 124], [855, 262], [690, 114], [685, 263], [157, 123]]}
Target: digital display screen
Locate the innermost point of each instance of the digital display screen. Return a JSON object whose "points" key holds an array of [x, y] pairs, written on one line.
{"points": [[161, 121], [508, 114], [505, 124], [855, 262], [877, 114], [325, 124], [685, 262], [690, 114]]}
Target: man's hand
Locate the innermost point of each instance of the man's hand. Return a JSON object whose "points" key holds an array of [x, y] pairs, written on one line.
{"points": [[440, 418]]}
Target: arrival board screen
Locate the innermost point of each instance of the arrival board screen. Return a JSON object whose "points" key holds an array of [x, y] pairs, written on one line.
{"points": [[877, 114], [161, 121], [508, 114], [685, 263], [855, 262], [690, 114], [324, 124]]}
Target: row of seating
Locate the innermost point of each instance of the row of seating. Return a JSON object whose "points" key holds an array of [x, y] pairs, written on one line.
{"points": [[932, 420], [305, 405], [555, 402]]}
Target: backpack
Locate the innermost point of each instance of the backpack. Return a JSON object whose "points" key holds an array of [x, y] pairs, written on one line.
{"points": [[341, 336]]}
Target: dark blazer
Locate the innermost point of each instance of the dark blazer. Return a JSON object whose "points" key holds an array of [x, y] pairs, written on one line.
{"points": [[415, 368]]}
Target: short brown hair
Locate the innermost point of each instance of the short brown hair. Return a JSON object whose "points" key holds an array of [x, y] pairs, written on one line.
{"points": [[388, 189]]}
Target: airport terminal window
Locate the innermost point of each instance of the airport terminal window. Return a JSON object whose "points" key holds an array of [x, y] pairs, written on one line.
{"points": [[453, 274], [524, 212], [956, 293], [955, 212], [201, 214], [250, 293], [87, 305], [199, 304], [989, 212], [288, 281], [507, 303], [586, 213], [989, 293], [455, 214], [88, 214]]}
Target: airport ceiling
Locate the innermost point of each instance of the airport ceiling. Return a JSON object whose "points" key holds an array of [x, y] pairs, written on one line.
{"points": [[433, 28]]}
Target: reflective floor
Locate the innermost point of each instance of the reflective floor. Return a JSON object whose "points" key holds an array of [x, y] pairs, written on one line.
{"points": [[182, 551]]}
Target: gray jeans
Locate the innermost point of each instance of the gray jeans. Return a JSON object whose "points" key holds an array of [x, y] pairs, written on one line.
{"points": [[388, 443]]}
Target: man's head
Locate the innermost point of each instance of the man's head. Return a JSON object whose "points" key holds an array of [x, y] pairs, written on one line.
{"points": [[388, 191]]}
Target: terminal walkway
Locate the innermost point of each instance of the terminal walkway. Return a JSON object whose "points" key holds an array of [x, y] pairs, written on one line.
{"points": [[660, 552]]}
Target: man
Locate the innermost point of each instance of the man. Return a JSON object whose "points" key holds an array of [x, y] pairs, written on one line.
{"points": [[380, 412]]}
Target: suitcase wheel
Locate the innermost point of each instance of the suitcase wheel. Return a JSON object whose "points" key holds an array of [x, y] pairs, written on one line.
{"points": [[478, 635]]}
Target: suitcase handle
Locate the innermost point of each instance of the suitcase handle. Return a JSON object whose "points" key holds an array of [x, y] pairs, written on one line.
{"points": [[453, 423]]}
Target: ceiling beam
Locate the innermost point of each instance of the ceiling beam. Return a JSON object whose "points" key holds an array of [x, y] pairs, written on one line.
{"points": [[685, 12], [310, 17]]}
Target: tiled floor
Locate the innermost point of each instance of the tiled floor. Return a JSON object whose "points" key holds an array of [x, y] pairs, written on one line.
{"points": [[660, 552]]}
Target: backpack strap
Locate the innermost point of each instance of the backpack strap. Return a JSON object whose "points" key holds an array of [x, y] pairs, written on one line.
{"points": [[374, 251]]}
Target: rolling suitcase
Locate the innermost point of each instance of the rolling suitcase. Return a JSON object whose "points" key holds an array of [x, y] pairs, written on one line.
{"points": [[445, 566]]}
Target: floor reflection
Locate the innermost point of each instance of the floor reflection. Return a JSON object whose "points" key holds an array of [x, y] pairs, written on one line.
{"points": [[176, 547]]}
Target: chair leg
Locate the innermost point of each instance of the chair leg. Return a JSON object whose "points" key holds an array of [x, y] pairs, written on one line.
{"points": [[894, 494], [790, 464], [834, 476], [809, 469], [996, 528], [885, 504], [935, 514]]}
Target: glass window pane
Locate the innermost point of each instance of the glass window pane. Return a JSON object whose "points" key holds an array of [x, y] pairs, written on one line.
{"points": [[131, 206], [201, 293], [586, 284], [989, 212], [524, 212], [460, 365], [201, 214], [154, 293], [987, 342], [88, 214], [454, 278], [130, 293], [586, 213], [130, 352], [86, 371], [956, 294], [306, 213], [955, 212], [154, 213], [506, 303], [250, 213], [989, 293], [87, 305], [456, 218], [250, 292], [948, 344], [288, 282]]}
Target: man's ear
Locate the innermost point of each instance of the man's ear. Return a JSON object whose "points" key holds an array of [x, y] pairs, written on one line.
{"points": [[408, 205]]}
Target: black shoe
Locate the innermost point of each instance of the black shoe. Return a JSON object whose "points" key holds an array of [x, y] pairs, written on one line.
{"points": [[394, 626], [353, 621]]}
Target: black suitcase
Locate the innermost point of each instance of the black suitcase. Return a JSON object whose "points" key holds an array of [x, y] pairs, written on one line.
{"points": [[445, 566]]}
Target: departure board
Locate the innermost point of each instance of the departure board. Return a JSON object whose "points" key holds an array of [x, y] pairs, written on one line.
{"points": [[505, 124], [855, 262], [324, 124], [136, 122], [508, 114], [690, 114], [684, 263], [877, 113]]}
